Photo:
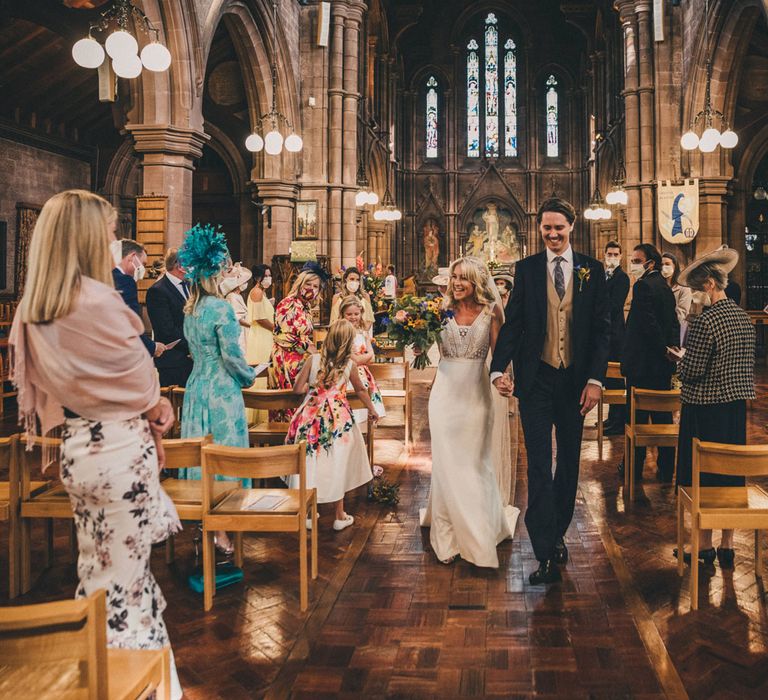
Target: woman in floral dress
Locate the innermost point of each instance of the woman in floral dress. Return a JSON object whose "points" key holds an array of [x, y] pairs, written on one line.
{"points": [[213, 400], [292, 338]]}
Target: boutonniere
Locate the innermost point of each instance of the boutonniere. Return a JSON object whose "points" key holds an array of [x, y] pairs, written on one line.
{"points": [[583, 273]]}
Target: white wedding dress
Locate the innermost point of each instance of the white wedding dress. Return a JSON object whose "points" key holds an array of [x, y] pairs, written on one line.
{"points": [[465, 512]]}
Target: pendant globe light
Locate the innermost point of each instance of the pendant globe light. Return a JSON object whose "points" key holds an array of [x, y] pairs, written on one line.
{"points": [[388, 211], [273, 142], [596, 210], [121, 45], [711, 137]]}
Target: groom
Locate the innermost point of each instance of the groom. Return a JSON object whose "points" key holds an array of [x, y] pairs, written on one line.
{"points": [[557, 335]]}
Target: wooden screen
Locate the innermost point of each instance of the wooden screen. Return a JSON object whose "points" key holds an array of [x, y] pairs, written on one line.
{"points": [[151, 228]]}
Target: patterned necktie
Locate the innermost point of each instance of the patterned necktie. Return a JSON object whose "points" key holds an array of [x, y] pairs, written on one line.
{"points": [[185, 287], [559, 277]]}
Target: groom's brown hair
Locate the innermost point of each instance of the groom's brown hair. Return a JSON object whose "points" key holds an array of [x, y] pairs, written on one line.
{"points": [[559, 206]]}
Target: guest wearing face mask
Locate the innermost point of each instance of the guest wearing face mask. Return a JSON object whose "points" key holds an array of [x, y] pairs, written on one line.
{"points": [[617, 286], [130, 259], [652, 326], [233, 285], [670, 271], [351, 284], [504, 283], [292, 338]]}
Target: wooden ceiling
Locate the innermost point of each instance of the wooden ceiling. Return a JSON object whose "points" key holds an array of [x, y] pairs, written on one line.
{"points": [[42, 87]]}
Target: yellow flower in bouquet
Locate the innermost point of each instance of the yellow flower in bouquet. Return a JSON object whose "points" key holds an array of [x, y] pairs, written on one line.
{"points": [[417, 322]]}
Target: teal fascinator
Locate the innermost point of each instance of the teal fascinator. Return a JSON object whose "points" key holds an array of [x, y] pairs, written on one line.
{"points": [[204, 253]]}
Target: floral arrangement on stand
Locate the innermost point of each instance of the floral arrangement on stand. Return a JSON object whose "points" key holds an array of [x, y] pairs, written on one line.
{"points": [[417, 322]]}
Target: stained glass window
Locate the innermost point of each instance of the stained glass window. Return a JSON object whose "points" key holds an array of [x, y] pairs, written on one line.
{"points": [[473, 100], [491, 87], [431, 117], [553, 140], [510, 99]]}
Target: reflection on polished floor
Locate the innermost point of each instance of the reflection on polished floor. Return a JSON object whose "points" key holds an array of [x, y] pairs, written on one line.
{"points": [[387, 620]]}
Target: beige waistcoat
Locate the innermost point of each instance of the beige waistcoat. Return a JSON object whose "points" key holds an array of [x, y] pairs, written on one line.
{"points": [[558, 349]]}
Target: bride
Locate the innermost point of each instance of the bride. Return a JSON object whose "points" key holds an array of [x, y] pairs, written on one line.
{"points": [[465, 512]]}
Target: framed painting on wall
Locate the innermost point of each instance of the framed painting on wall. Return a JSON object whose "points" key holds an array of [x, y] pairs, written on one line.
{"points": [[305, 228]]}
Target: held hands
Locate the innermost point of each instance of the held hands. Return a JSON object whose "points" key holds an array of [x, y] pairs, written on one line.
{"points": [[589, 398], [504, 385]]}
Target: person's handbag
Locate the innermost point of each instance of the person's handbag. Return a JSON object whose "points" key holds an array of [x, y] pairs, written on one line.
{"points": [[227, 574]]}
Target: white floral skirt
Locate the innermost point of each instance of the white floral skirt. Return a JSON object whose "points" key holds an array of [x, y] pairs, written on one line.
{"points": [[110, 472]]}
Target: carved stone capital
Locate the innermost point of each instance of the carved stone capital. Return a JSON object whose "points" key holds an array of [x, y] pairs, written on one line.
{"points": [[166, 139], [278, 193]]}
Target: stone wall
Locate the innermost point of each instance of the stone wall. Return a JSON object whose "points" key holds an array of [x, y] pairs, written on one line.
{"points": [[32, 176]]}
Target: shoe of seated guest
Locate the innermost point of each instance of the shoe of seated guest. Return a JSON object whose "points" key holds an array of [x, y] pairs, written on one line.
{"points": [[725, 557], [706, 556]]}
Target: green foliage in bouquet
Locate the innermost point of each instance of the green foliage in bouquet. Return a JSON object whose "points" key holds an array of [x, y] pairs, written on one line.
{"points": [[383, 491], [417, 322]]}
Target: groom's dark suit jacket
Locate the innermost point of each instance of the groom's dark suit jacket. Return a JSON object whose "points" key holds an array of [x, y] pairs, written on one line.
{"points": [[521, 339]]}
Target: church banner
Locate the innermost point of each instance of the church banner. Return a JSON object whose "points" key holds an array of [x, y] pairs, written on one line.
{"points": [[678, 207]]}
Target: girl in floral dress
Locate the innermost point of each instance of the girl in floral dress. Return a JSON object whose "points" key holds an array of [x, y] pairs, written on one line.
{"points": [[337, 460], [292, 339], [352, 310]]}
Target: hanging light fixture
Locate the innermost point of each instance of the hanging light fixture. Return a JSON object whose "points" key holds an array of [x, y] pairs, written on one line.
{"points": [[711, 137], [596, 211], [364, 196], [273, 141], [618, 195], [388, 211], [760, 193], [121, 45]]}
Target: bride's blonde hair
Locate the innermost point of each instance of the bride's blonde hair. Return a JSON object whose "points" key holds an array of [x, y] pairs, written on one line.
{"points": [[476, 273]]}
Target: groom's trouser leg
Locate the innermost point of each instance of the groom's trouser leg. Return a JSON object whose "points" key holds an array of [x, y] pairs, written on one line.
{"points": [[569, 424], [537, 417]]}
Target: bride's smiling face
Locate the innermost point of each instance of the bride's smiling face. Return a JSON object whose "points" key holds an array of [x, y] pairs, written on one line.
{"points": [[461, 287]]}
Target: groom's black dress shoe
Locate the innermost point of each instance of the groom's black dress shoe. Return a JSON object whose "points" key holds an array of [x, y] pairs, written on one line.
{"points": [[561, 552], [546, 573]]}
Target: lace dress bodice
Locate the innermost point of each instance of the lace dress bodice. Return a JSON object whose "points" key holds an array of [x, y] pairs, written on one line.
{"points": [[467, 342]]}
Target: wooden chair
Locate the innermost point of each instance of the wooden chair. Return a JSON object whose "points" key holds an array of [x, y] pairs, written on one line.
{"points": [[319, 335], [60, 650], [651, 434], [401, 396], [10, 501], [233, 513], [392, 354], [5, 378], [166, 392], [177, 401], [726, 507], [610, 397], [187, 494], [49, 504]]}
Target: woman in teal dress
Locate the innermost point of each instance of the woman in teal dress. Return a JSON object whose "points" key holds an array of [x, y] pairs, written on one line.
{"points": [[213, 400]]}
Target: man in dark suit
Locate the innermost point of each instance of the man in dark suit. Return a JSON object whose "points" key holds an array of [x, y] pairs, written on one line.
{"points": [[165, 305], [652, 326], [556, 334], [617, 286], [130, 259]]}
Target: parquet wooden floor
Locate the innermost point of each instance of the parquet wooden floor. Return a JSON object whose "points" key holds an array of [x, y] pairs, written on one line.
{"points": [[389, 621]]}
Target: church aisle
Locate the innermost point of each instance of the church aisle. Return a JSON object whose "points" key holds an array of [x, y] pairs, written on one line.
{"points": [[388, 620]]}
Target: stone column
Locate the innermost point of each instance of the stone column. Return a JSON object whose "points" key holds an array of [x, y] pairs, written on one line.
{"points": [[335, 130], [168, 154], [647, 131], [280, 197]]}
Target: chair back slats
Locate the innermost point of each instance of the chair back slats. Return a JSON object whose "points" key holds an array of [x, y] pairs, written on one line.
{"points": [[389, 371], [614, 371], [252, 462], [184, 452], [652, 400], [271, 399], [731, 460], [69, 630]]}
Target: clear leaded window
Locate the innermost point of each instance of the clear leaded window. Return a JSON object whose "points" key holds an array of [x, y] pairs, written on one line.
{"points": [[553, 136], [431, 125], [499, 76]]}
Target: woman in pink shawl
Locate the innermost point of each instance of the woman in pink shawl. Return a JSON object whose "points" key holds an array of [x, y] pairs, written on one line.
{"points": [[78, 363]]}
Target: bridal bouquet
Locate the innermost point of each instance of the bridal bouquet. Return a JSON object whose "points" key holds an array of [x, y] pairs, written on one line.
{"points": [[417, 322]]}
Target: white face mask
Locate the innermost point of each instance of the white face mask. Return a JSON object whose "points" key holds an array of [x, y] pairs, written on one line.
{"points": [[243, 287], [701, 298], [611, 263], [667, 271], [636, 269], [353, 285], [266, 282], [139, 271]]}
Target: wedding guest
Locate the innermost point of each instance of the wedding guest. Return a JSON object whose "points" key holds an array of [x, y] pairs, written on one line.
{"points": [[717, 375], [556, 335], [670, 271], [292, 339], [337, 461], [165, 306], [130, 259], [233, 285], [213, 401], [441, 279], [617, 287], [261, 316], [106, 395], [504, 283], [351, 309], [390, 283], [351, 284], [652, 326]]}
